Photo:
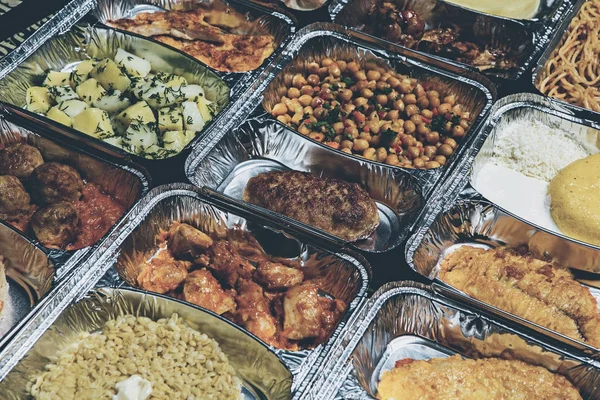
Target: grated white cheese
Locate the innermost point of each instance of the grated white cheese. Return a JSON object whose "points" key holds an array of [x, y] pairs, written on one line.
{"points": [[535, 149]]}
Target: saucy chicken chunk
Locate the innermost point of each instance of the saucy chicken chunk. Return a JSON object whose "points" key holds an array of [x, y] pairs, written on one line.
{"points": [[231, 274]]}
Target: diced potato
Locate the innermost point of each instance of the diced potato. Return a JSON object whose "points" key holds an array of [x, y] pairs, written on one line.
{"points": [[139, 137], [134, 65], [38, 99], [170, 119], [158, 95], [113, 103], [90, 91], [81, 73], [177, 140], [73, 107], [139, 112], [192, 119], [56, 78], [171, 80], [62, 93], [137, 86], [192, 92], [155, 152], [94, 122], [59, 116], [110, 76], [207, 108], [115, 141]]}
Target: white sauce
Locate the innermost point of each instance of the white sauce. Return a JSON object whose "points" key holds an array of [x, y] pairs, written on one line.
{"points": [[517, 193], [133, 388], [519, 9]]}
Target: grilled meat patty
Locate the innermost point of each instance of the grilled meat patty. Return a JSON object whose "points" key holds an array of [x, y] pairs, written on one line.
{"points": [[338, 207]]}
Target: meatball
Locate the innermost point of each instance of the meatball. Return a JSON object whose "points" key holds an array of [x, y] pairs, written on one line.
{"points": [[54, 182], [14, 199], [20, 160], [56, 225]]}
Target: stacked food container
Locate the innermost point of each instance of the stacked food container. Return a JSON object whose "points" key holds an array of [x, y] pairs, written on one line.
{"points": [[290, 200]]}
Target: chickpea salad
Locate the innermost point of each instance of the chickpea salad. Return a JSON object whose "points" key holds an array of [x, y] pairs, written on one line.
{"points": [[374, 112], [120, 101]]}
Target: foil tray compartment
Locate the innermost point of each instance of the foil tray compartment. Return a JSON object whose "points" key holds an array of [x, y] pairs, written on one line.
{"points": [[411, 320], [262, 145], [124, 182], [263, 375], [30, 275], [80, 42], [260, 19], [321, 40], [527, 38]]}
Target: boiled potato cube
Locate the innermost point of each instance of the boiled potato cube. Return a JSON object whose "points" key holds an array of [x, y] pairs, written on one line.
{"points": [[177, 140], [110, 76], [139, 137], [134, 65], [38, 99], [139, 112], [81, 73], [115, 141], [113, 103], [73, 107], [170, 119], [192, 119], [192, 92], [56, 78], [170, 80], [137, 86], [90, 91], [207, 108], [62, 93], [94, 122], [158, 95], [59, 116]]}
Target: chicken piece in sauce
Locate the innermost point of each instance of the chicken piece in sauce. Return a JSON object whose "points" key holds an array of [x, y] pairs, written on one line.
{"points": [[254, 311], [20, 160], [14, 199], [227, 264], [186, 240], [56, 225], [201, 288], [162, 274], [277, 276], [54, 182]]}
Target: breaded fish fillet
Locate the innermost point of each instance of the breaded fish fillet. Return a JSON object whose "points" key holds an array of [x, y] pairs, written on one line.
{"points": [[335, 206], [543, 293], [485, 379]]}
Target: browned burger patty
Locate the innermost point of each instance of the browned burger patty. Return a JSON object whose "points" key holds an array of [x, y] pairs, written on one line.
{"points": [[338, 207]]}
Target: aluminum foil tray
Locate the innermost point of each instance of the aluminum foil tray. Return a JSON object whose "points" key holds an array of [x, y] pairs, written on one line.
{"points": [[262, 145], [329, 40], [348, 274], [526, 38], [461, 215], [64, 51], [263, 375], [406, 319], [260, 18]]}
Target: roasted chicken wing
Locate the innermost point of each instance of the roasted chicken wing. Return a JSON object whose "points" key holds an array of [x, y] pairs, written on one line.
{"points": [[202, 289]]}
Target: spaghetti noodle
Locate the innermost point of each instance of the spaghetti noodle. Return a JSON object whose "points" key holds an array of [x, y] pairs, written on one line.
{"points": [[572, 73]]}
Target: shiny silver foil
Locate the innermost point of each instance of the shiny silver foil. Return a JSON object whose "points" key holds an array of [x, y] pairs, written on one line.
{"points": [[461, 215], [411, 320], [261, 20], [81, 42], [527, 38], [263, 375], [263, 145], [324, 39], [346, 275]]}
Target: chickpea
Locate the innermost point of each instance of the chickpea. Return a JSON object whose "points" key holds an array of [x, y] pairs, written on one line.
{"points": [[303, 129], [293, 93], [313, 67], [326, 94], [423, 102], [360, 101], [405, 87], [345, 94], [434, 102], [432, 137], [448, 126], [348, 108], [305, 100], [432, 164], [373, 75], [320, 112], [444, 108], [326, 62], [464, 123], [375, 140], [316, 102], [370, 154], [338, 128], [424, 158], [279, 109], [374, 116], [313, 80], [432, 94], [457, 109], [307, 89], [346, 150], [297, 118], [445, 150], [341, 65], [451, 142], [450, 100], [338, 139], [351, 131], [410, 99], [411, 109], [335, 71], [423, 129], [440, 159], [458, 131], [371, 85], [382, 99], [416, 119], [398, 105], [393, 96], [418, 163], [427, 114], [360, 75], [346, 144], [360, 85], [366, 93], [307, 110], [413, 152], [349, 122], [392, 159], [381, 154], [429, 151], [284, 119], [366, 136], [419, 91], [298, 81], [360, 145], [409, 127], [352, 67], [318, 136], [373, 127]]}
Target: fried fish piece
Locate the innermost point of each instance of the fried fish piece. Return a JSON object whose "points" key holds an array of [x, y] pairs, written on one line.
{"points": [[458, 378], [541, 292], [335, 206]]}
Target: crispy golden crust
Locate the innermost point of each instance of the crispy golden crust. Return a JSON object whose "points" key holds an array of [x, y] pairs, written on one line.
{"points": [[543, 293], [485, 379], [338, 207], [192, 32]]}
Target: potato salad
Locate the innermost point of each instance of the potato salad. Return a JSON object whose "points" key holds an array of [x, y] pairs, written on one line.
{"points": [[124, 103]]}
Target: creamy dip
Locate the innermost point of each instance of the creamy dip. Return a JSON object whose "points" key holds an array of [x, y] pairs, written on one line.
{"points": [[518, 9]]}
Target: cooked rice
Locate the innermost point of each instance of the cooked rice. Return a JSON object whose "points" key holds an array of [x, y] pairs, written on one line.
{"points": [[180, 362]]}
